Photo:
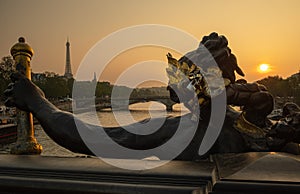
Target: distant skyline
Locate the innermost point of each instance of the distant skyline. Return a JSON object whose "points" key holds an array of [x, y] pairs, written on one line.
{"points": [[259, 31]]}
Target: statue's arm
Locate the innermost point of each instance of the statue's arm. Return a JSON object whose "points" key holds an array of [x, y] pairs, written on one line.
{"points": [[69, 131], [63, 127], [60, 126]]}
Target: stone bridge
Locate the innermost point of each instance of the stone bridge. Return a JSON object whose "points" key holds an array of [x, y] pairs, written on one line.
{"points": [[121, 103]]}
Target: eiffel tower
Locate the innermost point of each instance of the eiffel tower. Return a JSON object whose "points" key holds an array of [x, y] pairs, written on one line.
{"points": [[68, 71]]}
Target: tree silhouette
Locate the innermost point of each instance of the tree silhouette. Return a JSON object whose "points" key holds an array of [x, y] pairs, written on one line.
{"points": [[6, 68]]}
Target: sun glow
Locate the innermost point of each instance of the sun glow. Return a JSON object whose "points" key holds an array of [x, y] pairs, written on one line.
{"points": [[263, 68]]}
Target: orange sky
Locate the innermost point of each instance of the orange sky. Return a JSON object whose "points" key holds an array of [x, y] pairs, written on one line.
{"points": [[259, 31]]}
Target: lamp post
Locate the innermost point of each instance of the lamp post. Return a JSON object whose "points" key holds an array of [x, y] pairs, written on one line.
{"points": [[26, 142]]}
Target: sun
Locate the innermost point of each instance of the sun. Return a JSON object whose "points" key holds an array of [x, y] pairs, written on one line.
{"points": [[263, 68]]}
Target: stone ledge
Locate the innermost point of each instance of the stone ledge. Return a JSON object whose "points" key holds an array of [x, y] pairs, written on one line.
{"points": [[242, 173], [257, 172], [91, 175]]}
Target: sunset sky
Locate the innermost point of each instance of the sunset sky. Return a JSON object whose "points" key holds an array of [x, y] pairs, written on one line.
{"points": [[259, 31]]}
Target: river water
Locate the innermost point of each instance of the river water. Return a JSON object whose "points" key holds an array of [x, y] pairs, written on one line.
{"points": [[107, 118]]}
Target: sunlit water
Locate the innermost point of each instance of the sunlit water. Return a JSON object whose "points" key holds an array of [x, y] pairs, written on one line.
{"points": [[107, 118]]}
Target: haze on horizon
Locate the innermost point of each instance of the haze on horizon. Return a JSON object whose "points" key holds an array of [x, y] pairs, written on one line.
{"points": [[259, 31]]}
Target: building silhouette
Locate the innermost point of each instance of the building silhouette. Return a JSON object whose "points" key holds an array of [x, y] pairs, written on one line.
{"points": [[68, 70], [95, 78]]}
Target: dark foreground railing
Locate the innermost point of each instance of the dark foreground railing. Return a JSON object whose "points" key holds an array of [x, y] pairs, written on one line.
{"points": [[230, 173], [37, 174]]}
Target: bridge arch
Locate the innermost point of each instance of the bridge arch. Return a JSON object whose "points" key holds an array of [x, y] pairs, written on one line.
{"points": [[168, 105], [123, 103]]}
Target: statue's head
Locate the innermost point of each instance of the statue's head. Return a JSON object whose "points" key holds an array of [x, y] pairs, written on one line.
{"points": [[202, 73], [214, 41]]}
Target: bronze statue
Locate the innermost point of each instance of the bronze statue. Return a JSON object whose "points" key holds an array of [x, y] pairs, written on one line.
{"points": [[241, 132], [254, 99]]}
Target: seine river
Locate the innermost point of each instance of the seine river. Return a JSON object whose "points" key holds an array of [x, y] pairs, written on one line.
{"points": [[107, 118]]}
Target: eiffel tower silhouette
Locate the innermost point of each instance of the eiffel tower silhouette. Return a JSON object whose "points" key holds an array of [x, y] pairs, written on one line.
{"points": [[68, 70]]}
